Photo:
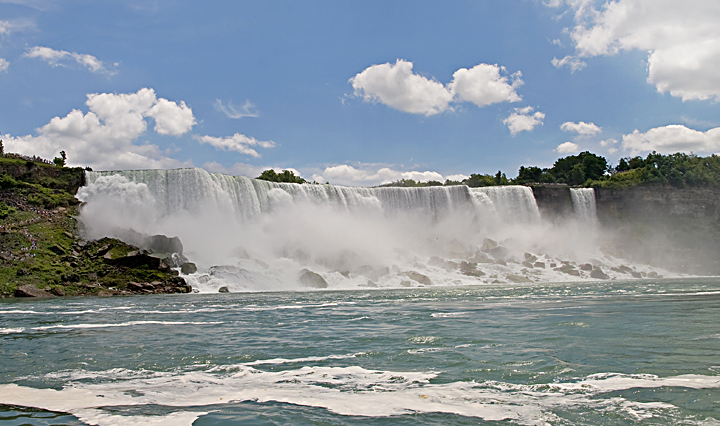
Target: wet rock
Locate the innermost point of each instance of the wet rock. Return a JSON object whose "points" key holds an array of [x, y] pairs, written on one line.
{"points": [[29, 290], [481, 257], [527, 264], [102, 251], [568, 269], [539, 265], [488, 245], [636, 274], [405, 283], [136, 261], [586, 267], [470, 269], [517, 278], [598, 274], [416, 276], [162, 244], [654, 274], [623, 269], [530, 257], [369, 284], [58, 291], [311, 279], [501, 262], [223, 289]]}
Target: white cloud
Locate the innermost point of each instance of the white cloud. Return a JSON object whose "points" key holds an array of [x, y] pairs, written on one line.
{"points": [[231, 111], [396, 86], [5, 27], [103, 138], [57, 57], [671, 139], [241, 169], [371, 175], [237, 142], [567, 148], [4, 64], [682, 38], [581, 128], [523, 119], [569, 61], [171, 118], [608, 142], [484, 85]]}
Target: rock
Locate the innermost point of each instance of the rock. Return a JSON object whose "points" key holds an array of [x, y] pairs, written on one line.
{"points": [[58, 291], [568, 269], [57, 249], [188, 268], [622, 269], [470, 269], [518, 278], [29, 290], [162, 244], [102, 251], [370, 284], [405, 283], [70, 277], [488, 245], [223, 289], [530, 257], [481, 257], [92, 276], [636, 274], [415, 276], [586, 267], [311, 279], [653, 274], [136, 261], [598, 274], [540, 265], [501, 262], [22, 272], [527, 264]]}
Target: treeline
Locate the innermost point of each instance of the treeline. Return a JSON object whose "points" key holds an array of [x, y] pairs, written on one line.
{"points": [[591, 170]]}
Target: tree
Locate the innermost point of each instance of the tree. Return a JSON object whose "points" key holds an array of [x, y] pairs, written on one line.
{"points": [[2, 148], [284, 176], [60, 161]]}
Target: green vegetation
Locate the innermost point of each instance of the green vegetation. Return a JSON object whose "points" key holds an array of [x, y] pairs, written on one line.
{"points": [[591, 170], [40, 246], [284, 176]]}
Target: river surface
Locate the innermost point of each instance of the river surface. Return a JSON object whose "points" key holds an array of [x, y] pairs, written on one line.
{"points": [[614, 353]]}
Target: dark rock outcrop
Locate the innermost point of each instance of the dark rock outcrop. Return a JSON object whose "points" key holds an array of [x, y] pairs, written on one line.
{"points": [[29, 290], [311, 279]]}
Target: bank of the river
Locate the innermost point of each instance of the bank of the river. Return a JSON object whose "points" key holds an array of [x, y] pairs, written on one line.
{"points": [[42, 253]]}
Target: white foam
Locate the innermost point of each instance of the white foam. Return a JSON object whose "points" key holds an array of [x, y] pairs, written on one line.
{"points": [[349, 390], [11, 330], [122, 324]]}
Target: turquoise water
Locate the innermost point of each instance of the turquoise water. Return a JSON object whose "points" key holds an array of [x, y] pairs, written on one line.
{"points": [[615, 353]]}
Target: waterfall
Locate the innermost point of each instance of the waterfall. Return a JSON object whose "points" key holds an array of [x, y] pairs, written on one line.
{"points": [[583, 200], [254, 235]]}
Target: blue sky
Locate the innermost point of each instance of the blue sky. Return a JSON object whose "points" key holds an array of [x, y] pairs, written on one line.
{"points": [[357, 93]]}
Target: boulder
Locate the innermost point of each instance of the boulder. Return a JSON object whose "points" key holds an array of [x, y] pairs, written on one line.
{"points": [[188, 268], [29, 290], [518, 279], [415, 276], [530, 257], [540, 265], [223, 289], [586, 267], [163, 244], [568, 269], [311, 279], [598, 274]]}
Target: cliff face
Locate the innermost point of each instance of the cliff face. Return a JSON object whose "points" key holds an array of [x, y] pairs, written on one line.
{"points": [[673, 228]]}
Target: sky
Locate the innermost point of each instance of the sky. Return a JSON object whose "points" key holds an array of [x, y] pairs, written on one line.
{"points": [[357, 93]]}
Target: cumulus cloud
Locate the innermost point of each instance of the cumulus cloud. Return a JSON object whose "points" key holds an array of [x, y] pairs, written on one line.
{"points": [[581, 128], [237, 142], [60, 57], [523, 119], [242, 169], [396, 86], [569, 61], [370, 175], [608, 142], [671, 139], [104, 137], [567, 148], [231, 111], [4, 64], [484, 85], [682, 38]]}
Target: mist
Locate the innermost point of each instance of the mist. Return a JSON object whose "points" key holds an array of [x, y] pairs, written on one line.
{"points": [[251, 235]]}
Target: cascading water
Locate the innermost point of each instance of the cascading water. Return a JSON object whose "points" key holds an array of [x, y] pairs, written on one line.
{"points": [[583, 200], [254, 235]]}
